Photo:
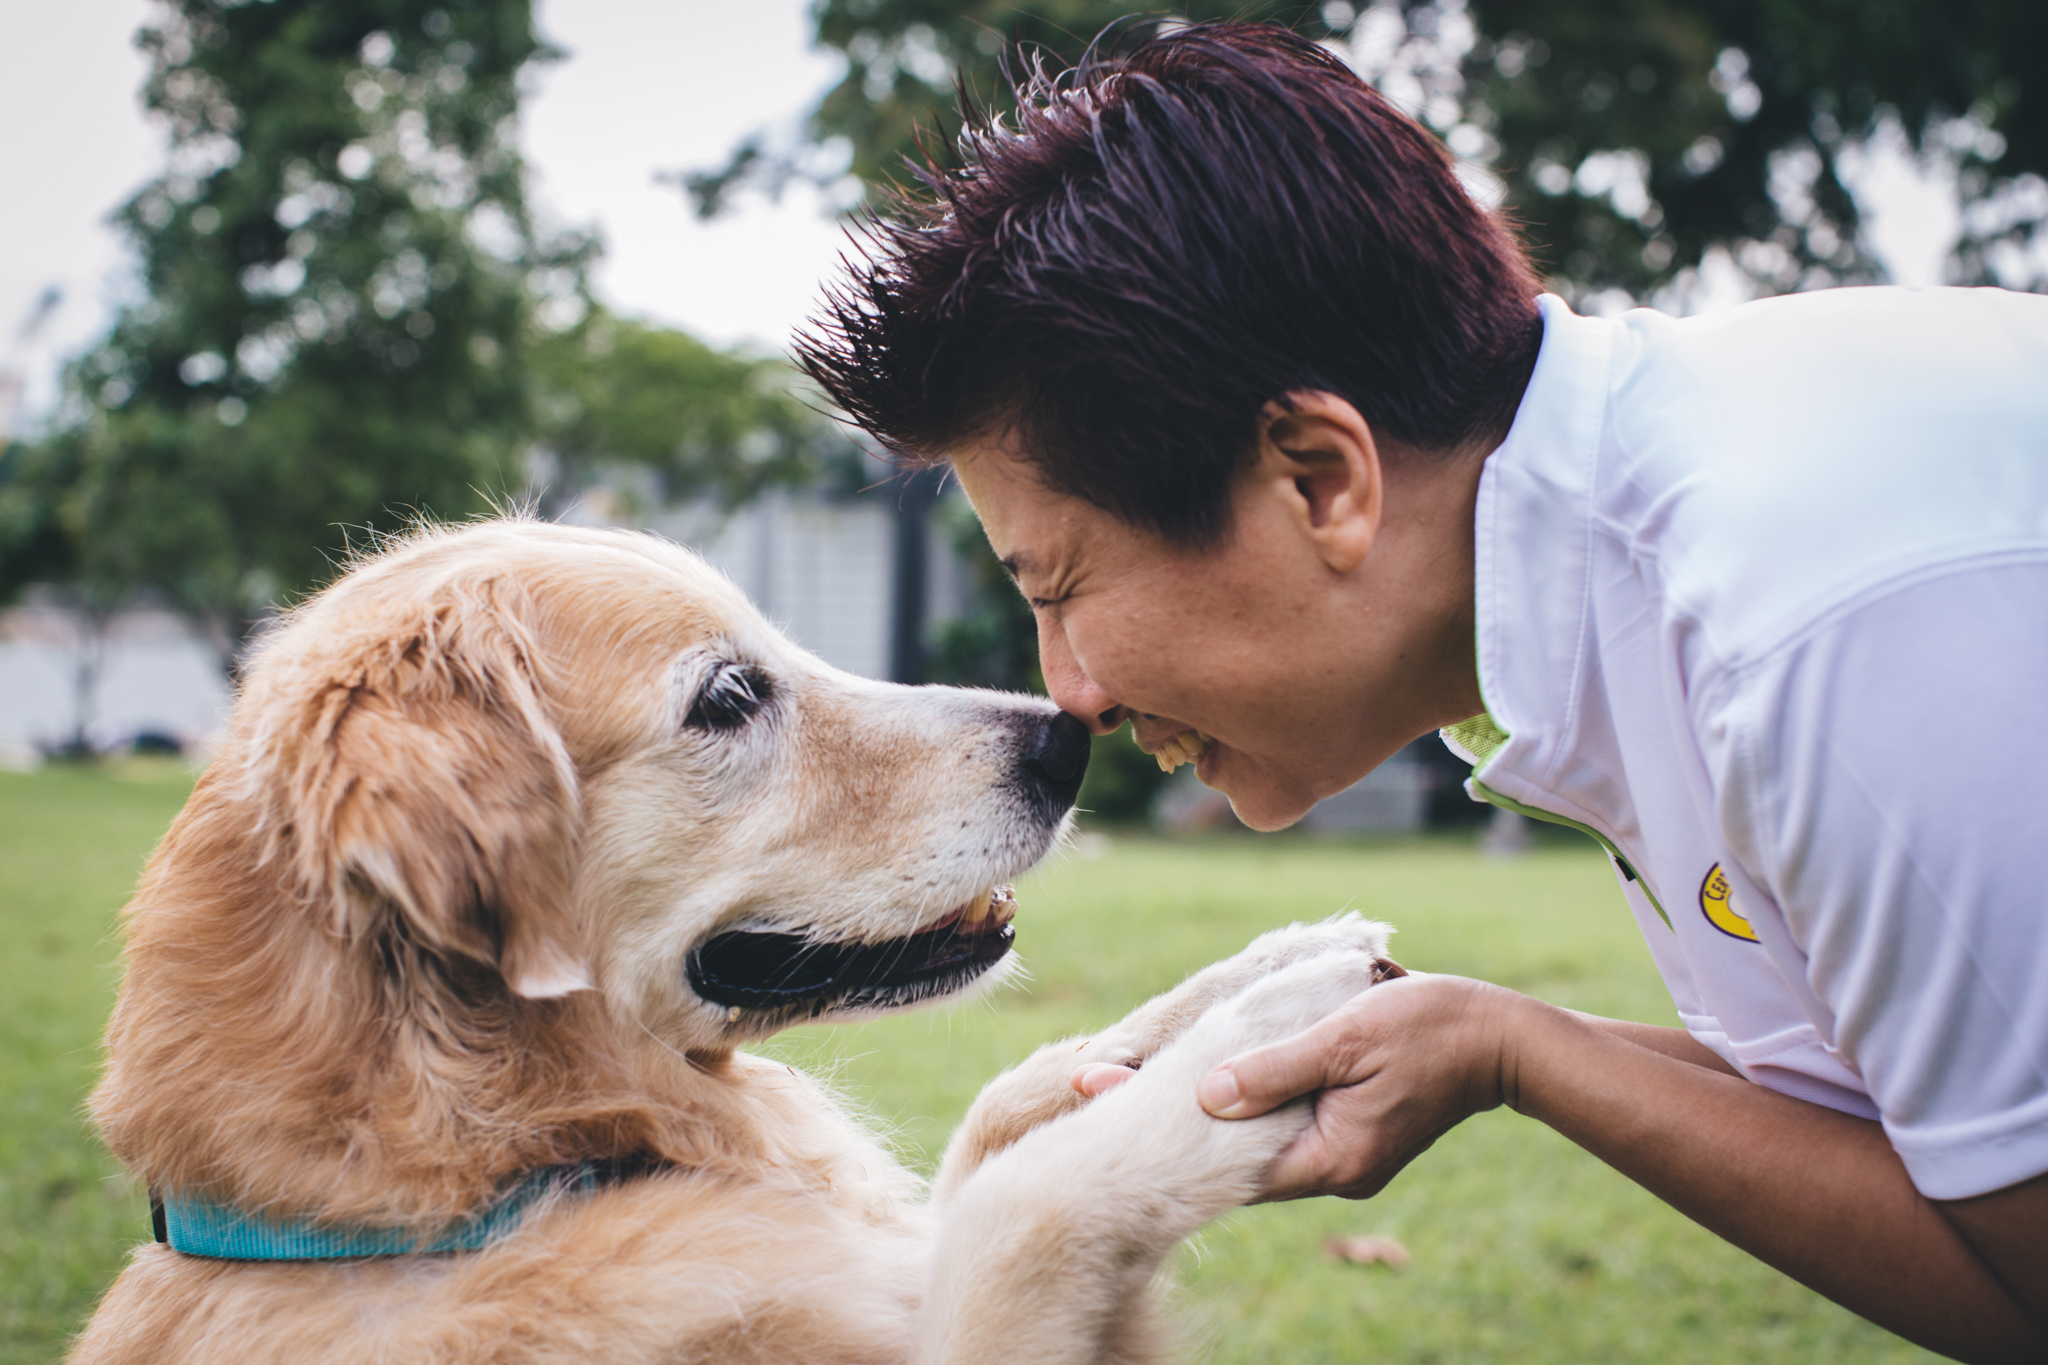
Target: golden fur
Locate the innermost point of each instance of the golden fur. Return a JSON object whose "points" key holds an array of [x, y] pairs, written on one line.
{"points": [[420, 929]]}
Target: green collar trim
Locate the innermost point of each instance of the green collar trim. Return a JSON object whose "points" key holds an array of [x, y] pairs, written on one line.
{"points": [[1494, 798], [1480, 736], [200, 1227]]}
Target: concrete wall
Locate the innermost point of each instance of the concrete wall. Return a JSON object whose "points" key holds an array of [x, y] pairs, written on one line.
{"points": [[820, 568], [154, 676]]}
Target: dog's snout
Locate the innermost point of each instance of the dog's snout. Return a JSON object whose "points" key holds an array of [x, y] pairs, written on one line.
{"points": [[1056, 755]]}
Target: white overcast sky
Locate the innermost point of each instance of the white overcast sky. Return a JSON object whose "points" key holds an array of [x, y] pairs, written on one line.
{"points": [[649, 85]]}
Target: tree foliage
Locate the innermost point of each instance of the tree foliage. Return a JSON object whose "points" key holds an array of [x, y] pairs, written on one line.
{"points": [[1630, 137], [613, 394], [338, 268], [349, 318]]}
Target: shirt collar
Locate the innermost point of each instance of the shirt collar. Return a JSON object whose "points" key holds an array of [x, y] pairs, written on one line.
{"points": [[1532, 546]]}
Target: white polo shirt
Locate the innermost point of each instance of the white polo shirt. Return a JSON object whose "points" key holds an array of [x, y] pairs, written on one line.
{"points": [[1762, 602]]}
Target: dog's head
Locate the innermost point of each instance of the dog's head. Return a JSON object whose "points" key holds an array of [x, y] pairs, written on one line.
{"points": [[580, 760]]}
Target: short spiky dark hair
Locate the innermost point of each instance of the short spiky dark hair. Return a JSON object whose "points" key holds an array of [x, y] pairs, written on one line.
{"points": [[1155, 247]]}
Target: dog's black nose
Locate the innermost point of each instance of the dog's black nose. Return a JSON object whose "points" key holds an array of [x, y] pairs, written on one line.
{"points": [[1056, 755]]}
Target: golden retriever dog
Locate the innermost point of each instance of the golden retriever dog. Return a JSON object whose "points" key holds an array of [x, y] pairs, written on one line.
{"points": [[521, 831]]}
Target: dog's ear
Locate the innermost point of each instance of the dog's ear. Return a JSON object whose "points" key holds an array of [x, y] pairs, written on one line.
{"points": [[430, 782]]}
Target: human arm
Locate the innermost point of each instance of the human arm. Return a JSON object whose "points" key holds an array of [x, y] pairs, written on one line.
{"points": [[1816, 1193]]}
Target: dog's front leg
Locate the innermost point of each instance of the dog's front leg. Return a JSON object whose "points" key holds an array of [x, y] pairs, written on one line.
{"points": [[1038, 1089], [1047, 1253]]}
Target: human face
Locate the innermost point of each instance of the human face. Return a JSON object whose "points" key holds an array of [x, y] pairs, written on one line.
{"points": [[1244, 641], [1331, 626]]}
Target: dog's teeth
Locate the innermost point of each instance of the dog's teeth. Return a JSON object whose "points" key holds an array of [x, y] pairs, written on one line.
{"points": [[977, 909], [732, 1016]]}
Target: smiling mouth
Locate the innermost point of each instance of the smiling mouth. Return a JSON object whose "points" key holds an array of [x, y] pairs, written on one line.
{"points": [[805, 977], [1183, 746]]}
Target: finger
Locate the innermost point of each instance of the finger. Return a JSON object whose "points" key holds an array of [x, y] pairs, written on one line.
{"points": [[1295, 1171], [1266, 1078], [1098, 1078], [1303, 1169]]}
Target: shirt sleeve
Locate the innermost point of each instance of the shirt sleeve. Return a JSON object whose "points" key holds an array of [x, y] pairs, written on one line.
{"points": [[1882, 778]]}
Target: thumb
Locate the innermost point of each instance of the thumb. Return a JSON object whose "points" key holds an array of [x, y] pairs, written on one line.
{"points": [[1265, 1078]]}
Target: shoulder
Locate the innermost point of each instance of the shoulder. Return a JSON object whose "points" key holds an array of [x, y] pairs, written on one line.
{"points": [[1835, 345], [1768, 465]]}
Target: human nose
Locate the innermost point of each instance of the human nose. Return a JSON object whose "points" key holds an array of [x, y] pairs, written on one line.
{"points": [[1069, 684]]}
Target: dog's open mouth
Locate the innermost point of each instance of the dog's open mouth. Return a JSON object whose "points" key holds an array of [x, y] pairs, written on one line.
{"points": [[753, 970]]}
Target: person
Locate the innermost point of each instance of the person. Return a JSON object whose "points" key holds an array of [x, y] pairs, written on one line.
{"points": [[1265, 417]]}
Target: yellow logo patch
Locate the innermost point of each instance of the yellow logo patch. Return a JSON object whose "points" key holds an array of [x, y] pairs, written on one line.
{"points": [[1717, 904]]}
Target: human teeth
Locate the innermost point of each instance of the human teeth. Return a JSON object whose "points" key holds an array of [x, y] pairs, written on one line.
{"points": [[1185, 747]]}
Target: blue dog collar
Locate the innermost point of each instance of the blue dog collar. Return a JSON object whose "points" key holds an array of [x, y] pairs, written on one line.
{"points": [[200, 1227]]}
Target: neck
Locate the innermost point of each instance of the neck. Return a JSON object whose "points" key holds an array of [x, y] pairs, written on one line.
{"points": [[1416, 592]]}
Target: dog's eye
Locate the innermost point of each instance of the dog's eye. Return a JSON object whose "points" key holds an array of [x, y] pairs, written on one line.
{"points": [[729, 698]]}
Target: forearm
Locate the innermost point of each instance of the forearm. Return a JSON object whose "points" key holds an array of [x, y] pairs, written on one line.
{"points": [[1674, 1043], [1816, 1193]]}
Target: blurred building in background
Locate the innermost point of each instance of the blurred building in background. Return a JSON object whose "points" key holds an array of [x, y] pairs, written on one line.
{"points": [[141, 677], [862, 580]]}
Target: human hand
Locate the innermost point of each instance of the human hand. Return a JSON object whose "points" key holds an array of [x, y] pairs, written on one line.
{"points": [[1398, 1066]]}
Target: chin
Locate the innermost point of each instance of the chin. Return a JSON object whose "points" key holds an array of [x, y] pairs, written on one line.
{"points": [[1258, 800], [1267, 811]]}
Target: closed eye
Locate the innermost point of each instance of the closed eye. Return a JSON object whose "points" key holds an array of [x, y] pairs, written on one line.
{"points": [[730, 697]]}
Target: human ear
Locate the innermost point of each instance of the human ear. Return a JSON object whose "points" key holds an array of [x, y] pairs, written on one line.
{"points": [[1319, 456]]}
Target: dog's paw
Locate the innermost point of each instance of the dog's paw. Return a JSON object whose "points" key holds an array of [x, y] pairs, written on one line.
{"points": [[1158, 1022], [1350, 932], [1277, 1006], [1151, 1140], [1040, 1089]]}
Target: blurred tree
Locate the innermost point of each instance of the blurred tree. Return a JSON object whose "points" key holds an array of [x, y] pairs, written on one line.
{"points": [[37, 546], [350, 319], [1630, 137], [340, 272], [1634, 136], [612, 394], [994, 643], [1123, 781]]}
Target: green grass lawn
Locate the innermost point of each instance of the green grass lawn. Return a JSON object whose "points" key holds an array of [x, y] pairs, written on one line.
{"points": [[1525, 1249]]}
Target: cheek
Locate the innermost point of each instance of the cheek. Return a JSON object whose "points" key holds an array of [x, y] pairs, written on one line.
{"points": [[1135, 658]]}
